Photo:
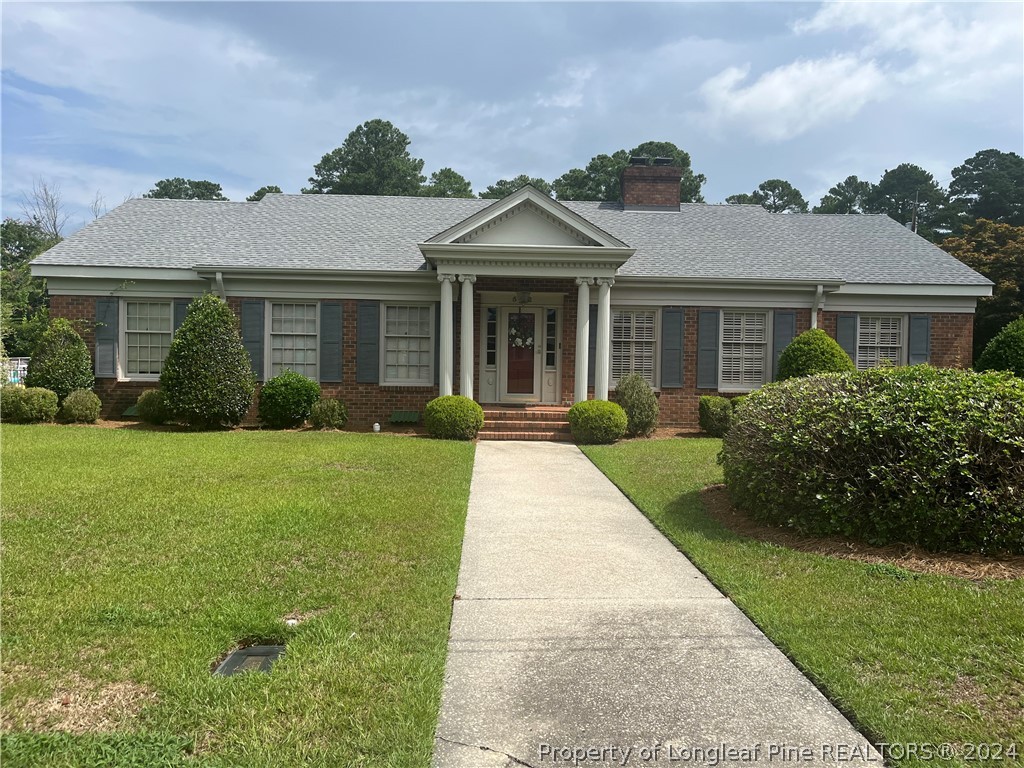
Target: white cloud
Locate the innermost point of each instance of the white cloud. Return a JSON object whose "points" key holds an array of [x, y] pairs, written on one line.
{"points": [[792, 99], [572, 82]]}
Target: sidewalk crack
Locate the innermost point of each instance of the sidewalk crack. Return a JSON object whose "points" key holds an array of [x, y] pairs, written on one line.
{"points": [[513, 758]]}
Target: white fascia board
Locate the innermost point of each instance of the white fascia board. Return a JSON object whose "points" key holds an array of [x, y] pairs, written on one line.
{"points": [[729, 283], [76, 286], [542, 201], [917, 289], [838, 302], [348, 275], [526, 261], [118, 273]]}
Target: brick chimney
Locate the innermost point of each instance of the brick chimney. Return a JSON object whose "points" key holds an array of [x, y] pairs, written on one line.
{"points": [[650, 187]]}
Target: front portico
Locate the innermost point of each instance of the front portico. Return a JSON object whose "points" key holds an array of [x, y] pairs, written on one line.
{"points": [[518, 341]]}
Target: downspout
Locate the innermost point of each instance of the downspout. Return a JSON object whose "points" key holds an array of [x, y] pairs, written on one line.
{"points": [[224, 296], [819, 303]]}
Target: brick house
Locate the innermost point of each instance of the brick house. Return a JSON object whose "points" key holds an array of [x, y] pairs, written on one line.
{"points": [[390, 301]]}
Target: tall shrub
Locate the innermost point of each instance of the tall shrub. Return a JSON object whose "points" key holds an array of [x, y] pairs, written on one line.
{"points": [[60, 362], [637, 399], [919, 455], [813, 352], [1006, 350], [207, 379]]}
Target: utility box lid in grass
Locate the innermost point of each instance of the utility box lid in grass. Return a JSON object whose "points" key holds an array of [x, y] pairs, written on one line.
{"points": [[255, 658]]}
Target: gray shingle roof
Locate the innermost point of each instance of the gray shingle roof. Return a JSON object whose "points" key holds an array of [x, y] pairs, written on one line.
{"points": [[381, 233]]}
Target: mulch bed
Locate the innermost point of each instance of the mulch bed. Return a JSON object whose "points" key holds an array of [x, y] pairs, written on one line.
{"points": [[974, 567]]}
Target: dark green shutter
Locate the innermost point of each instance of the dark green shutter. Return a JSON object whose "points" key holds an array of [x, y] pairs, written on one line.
{"points": [[707, 349], [672, 347], [252, 333], [106, 337], [180, 310], [330, 341], [368, 342], [920, 339], [783, 332], [592, 346], [846, 334]]}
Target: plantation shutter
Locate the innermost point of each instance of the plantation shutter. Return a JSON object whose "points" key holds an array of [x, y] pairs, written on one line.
{"points": [[707, 349], [330, 340], [252, 333], [920, 339], [783, 332], [592, 345], [672, 347], [106, 337], [846, 335], [180, 310], [368, 342]]}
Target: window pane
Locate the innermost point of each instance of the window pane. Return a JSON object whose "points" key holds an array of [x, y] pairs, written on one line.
{"points": [[632, 347], [148, 329], [293, 339], [408, 345]]}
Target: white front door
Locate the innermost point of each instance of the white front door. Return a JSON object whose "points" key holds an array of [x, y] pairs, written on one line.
{"points": [[520, 346]]}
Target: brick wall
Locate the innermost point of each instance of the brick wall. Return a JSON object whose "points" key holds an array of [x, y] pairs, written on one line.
{"points": [[951, 340], [650, 185]]}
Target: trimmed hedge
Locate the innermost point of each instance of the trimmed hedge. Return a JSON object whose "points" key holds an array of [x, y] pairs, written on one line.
{"points": [[637, 399], [597, 421], [813, 352], [151, 408], [27, 405], [453, 417], [287, 400], [207, 379], [714, 414], [1005, 352], [328, 414], [60, 362], [919, 455], [81, 406]]}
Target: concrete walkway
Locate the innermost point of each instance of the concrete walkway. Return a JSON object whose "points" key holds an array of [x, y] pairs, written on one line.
{"points": [[580, 635]]}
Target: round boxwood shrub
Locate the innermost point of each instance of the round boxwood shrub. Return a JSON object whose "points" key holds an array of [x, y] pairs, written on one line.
{"points": [[453, 417], [81, 406], [287, 399], [813, 352], [207, 379], [328, 414], [637, 399], [27, 405], [737, 401], [1005, 352], [933, 457], [151, 408], [597, 421], [714, 414], [60, 362]]}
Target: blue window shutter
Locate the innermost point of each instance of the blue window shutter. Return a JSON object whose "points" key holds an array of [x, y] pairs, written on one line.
{"points": [[672, 346], [252, 333], [180, 310], [783, 332], [707, 349], [920, 339], [330, 341], [846, 335], [106, 337], [368, 342], [592, 346]]}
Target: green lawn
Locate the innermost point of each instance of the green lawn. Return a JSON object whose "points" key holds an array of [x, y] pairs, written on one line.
{"points": [[132, 559], [911, 659]]}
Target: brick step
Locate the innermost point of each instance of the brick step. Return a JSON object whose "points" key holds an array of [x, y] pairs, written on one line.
{"points": [[556, 437], [532, 414], [521, 425]]}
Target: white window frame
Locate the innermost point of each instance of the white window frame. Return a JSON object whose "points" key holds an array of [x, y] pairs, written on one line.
{"points": [[383, 344], [122, 337], [766, 368], [904, 337], [268, 349], [656, 367]]}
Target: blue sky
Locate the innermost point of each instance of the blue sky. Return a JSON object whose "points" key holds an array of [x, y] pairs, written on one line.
{"points": [[111, 97]]}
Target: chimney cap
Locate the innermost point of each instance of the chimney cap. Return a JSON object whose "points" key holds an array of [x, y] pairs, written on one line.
{"points": [[639, 160], [663, 161]]}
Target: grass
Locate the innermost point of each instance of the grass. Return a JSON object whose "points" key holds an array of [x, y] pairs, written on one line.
{"points": [[132, 560], [910, 658]]}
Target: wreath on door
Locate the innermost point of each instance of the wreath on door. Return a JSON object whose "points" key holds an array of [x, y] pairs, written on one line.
{"points": [[520, 331]]}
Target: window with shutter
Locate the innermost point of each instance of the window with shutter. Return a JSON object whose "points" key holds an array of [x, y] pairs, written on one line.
{"points": [[744, 350], [148, 328], [879, 341], [293, 339], [633, 343], [408, 344]]}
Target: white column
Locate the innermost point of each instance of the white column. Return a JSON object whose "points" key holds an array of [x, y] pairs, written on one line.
{"points": [[582, 337], [604, 320], [466, 340], [447, 361]]}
